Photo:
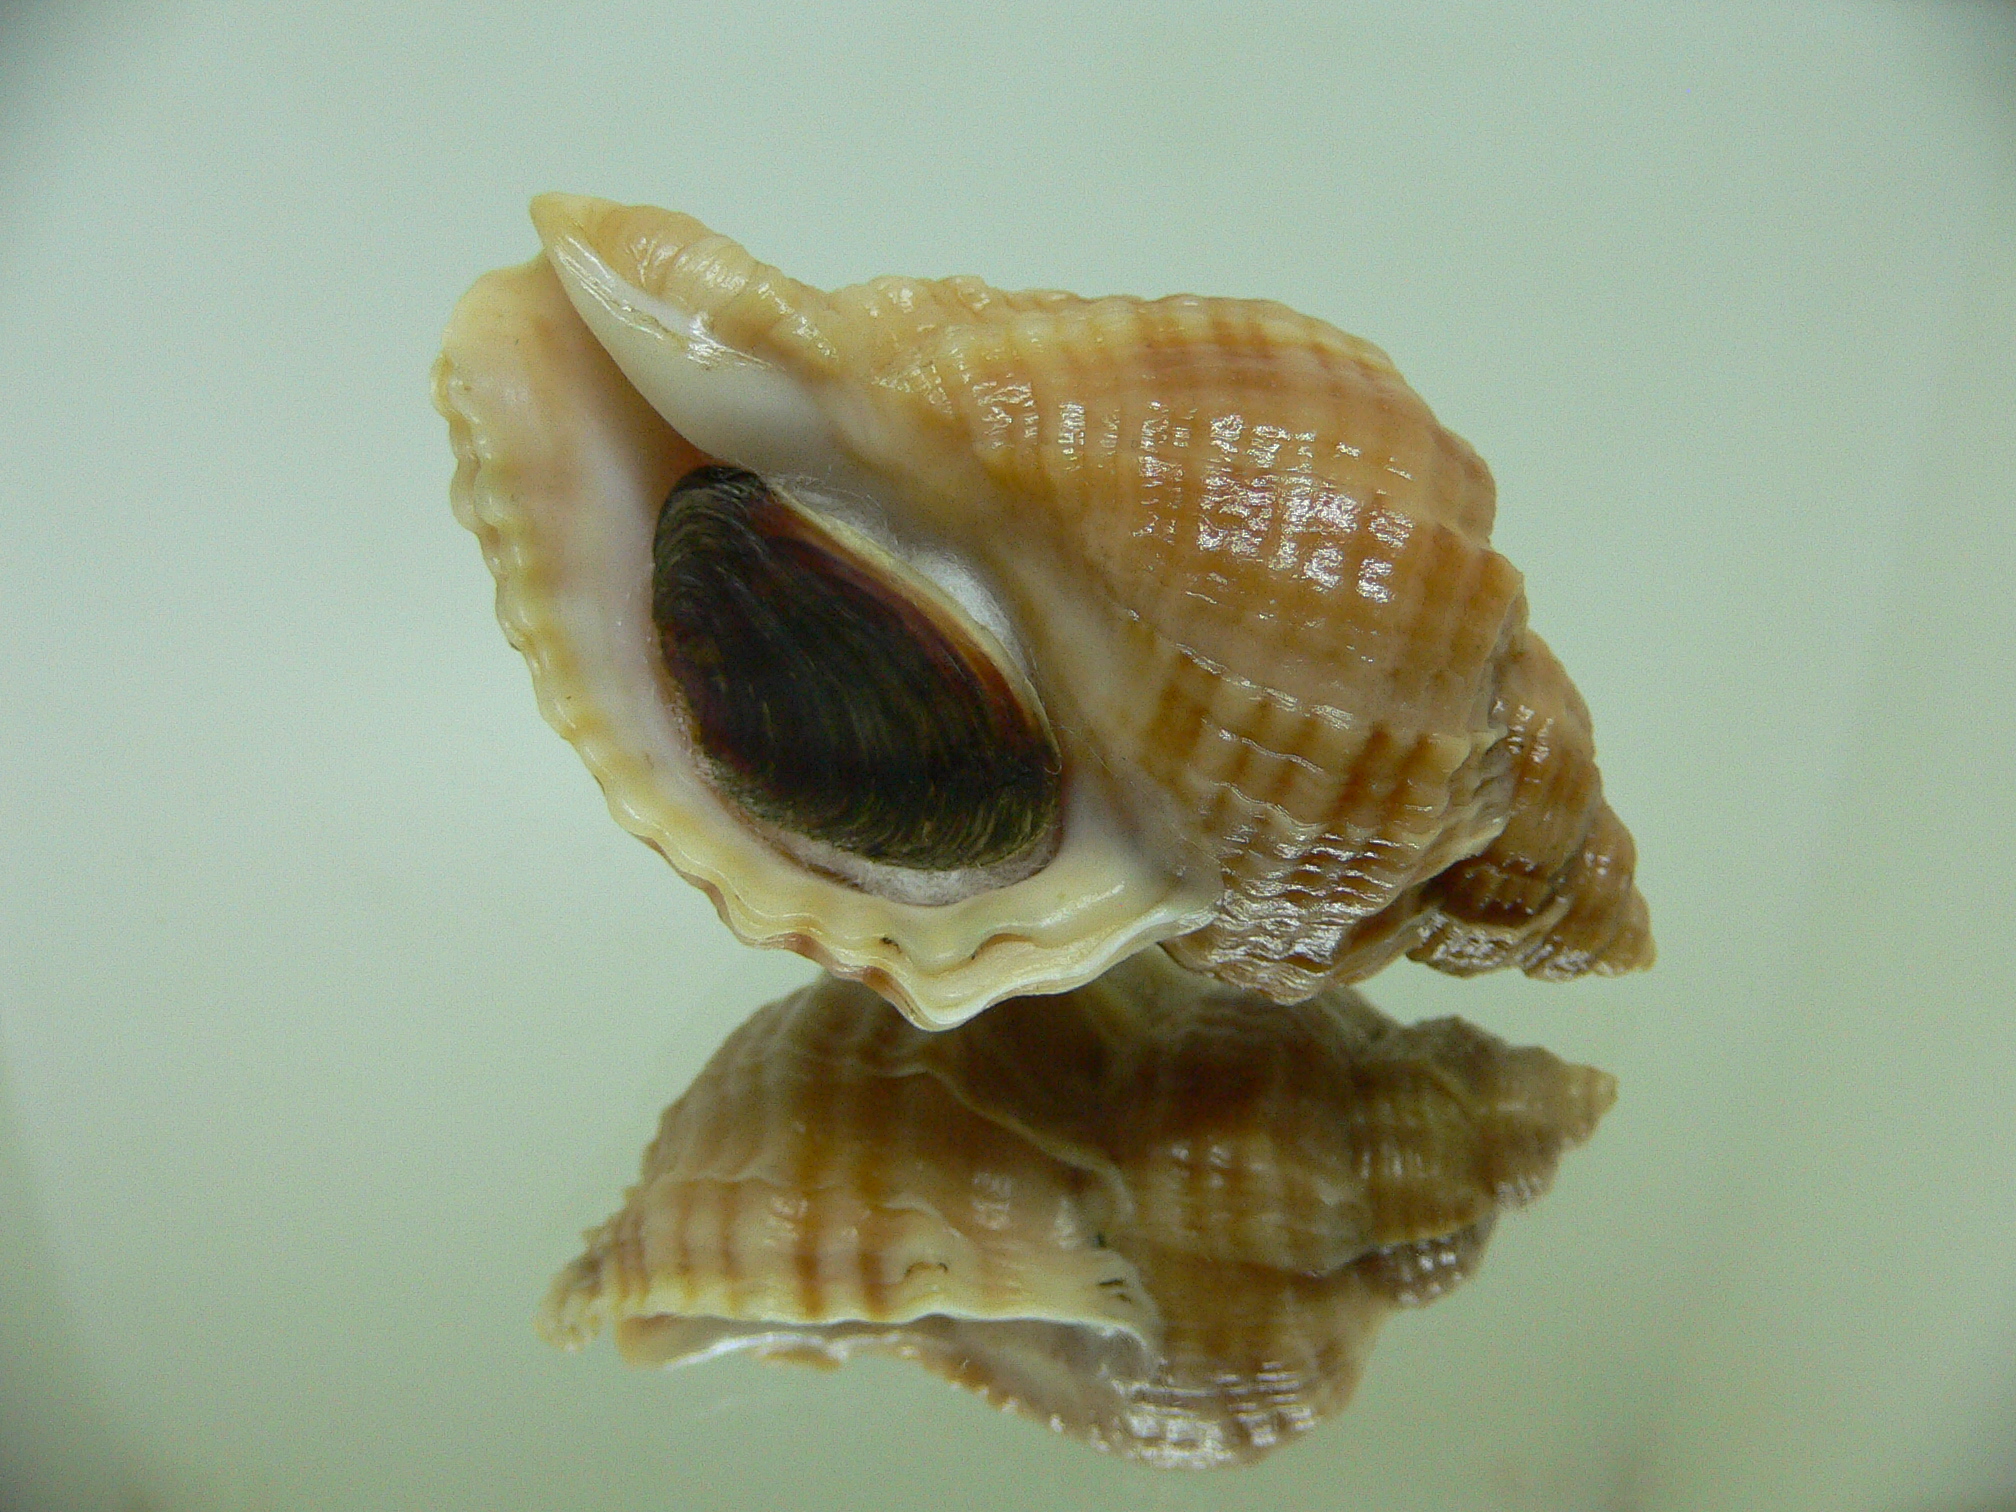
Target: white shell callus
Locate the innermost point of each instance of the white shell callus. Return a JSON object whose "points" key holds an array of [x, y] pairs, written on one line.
{"points": [[1213, 557], [1155, 1212]]}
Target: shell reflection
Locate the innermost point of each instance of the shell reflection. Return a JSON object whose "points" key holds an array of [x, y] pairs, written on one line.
{"points": [[1158, 1213]]}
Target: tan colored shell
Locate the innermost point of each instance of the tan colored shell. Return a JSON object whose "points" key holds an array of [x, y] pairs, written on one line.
{"points": [[1305, 728], [1157, 1213]]}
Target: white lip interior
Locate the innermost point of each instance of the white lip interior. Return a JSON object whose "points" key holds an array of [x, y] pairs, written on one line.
{"points": [[726, 403]]}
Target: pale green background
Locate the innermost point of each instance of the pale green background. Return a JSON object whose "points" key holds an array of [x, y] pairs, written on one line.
{"points": [[334, 1004]]}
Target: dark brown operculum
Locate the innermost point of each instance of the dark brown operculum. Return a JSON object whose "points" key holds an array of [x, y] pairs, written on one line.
{"points": [[828, 704]]}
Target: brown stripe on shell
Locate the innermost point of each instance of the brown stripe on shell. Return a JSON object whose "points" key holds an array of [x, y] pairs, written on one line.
{"points": [[735, 1274], [847, 1228], [877, 1114], [811, 1164]]}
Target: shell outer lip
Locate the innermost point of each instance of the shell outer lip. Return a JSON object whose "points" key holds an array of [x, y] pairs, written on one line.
{"points": [[1053, 933]]}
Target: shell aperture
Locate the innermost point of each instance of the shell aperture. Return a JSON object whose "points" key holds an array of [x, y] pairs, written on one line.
{"points": [[1159, 1214], [835, 709], [1217, 553]]}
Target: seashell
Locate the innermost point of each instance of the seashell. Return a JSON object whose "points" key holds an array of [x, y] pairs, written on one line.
{"points": [[1155, 1212], [968, 641]]}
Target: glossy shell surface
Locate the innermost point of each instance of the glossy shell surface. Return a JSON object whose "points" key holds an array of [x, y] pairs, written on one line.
{"points": [[1157, 1213], [1226, 559]]}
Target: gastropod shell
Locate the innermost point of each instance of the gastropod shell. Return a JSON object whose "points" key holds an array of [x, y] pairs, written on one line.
{"points": [[970, 641]]}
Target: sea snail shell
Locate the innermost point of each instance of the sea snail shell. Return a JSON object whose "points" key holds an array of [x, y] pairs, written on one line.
{"points": [[1153, 1212], [1078, 624]]}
